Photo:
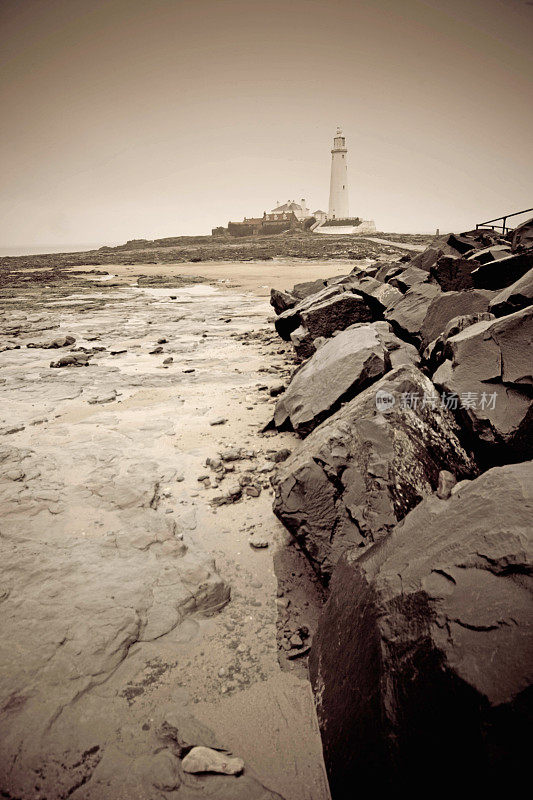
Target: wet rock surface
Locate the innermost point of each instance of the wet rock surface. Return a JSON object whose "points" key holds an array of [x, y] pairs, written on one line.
{"points": [[361, 470], [421, 656], [342, 366], [492, 360], [436, 633]]}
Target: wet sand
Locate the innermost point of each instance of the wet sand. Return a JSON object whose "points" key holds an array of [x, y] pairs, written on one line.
{"points": [[256, 277], [99, 463]]}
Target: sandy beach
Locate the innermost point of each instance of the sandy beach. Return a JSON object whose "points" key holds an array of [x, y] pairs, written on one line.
{"points": [[128, 592]]}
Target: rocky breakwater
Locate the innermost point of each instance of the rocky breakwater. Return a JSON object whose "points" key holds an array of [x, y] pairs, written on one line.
{"points": [[409, 493]]}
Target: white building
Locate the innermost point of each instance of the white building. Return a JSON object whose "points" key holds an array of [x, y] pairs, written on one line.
{"points": [[338, 220], [338, 186], [299, 210]]}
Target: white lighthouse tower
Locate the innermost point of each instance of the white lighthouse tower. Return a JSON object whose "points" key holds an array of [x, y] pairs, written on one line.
{"points": [[338, 187]]}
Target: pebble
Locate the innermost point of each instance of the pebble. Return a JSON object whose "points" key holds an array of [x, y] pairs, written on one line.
{"points": [[218, 421], [204, 759], [258, 544]]}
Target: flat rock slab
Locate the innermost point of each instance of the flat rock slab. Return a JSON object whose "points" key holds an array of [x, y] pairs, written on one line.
{"points": [[423, 652], [341, 367], [363, 469]]}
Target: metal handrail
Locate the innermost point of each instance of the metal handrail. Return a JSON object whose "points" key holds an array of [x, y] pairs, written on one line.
{"points": [[504, 219]]}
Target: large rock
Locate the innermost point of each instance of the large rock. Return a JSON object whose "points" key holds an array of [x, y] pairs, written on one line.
{"points": [[424, 311], [378, 295], [363, 469], [448, 305], [434, 355], [489, 370], [422, 659], [289, 320], [454, 274], [517, 296], [407, 278], [323, 319], [522, 236], [387, 269], [493, 253], [281, 301], [504, 272], [408, 314], [339, 369], [429, 257], [456, 245], [303, 290]]}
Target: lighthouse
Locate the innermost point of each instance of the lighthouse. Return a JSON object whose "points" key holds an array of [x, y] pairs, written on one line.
{"points": [[338, 187]]}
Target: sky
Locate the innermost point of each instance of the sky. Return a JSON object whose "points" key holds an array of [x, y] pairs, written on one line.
{"points": [[130, 119]]}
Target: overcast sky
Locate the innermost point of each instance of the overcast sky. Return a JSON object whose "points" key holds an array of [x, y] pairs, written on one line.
{"points": [[148, 118]]}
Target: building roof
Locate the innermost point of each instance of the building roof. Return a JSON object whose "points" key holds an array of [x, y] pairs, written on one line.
{"points": [[288, 206]]}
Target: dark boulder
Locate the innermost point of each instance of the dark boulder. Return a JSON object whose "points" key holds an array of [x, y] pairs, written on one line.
{"points": [[303, 290], [489, 370], [323, 319], [522, 236], [433, 355], [490, 253], [388, 269], [513, 298], [504, 272], [378, 295], [454, 274], [365, 467], [429, 257], [462, 242], [341, 367], [281, 301], [422, 659], [455, 245], [424, 311], [448, 305], [408, 314], [408, 278], [289, 320]]}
